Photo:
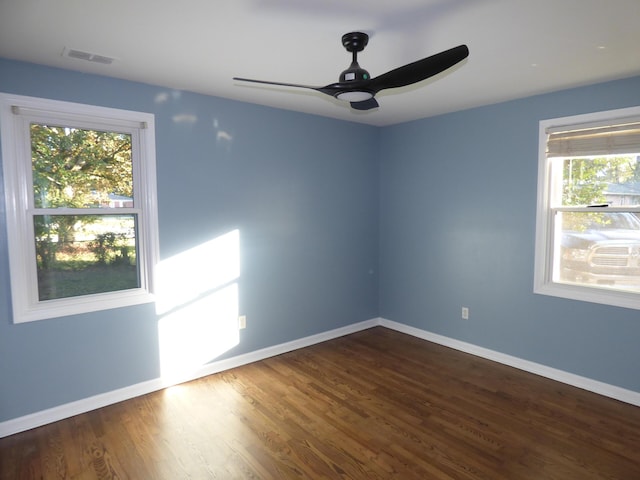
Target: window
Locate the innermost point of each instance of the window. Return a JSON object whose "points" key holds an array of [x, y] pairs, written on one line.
{"points": [[81, 206], [588, 221]]}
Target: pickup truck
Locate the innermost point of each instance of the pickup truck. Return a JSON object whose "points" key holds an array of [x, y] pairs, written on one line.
{"points": [[601, 248]]}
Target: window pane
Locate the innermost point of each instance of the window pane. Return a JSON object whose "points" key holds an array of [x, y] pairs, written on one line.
{"points": [[611, 180], [599, 248], [76, 168], [85, 254]]}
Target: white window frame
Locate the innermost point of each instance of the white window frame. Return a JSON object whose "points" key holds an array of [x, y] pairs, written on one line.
{"points": [[544, 242], [16, 114]]}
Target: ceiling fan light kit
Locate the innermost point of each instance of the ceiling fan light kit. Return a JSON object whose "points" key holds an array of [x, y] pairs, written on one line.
{"points": [[354, 96], [356, 86]]}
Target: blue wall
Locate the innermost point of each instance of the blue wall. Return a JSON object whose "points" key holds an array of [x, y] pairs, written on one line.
{"points": [[443, 207], [302, 190], [458, 206]]}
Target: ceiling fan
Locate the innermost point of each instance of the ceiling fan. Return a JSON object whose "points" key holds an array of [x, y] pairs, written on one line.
{"points": [[356, 85]]}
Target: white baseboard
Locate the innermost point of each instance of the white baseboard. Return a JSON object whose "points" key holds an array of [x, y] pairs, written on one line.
{"points": [[61, 412], [605, 389]]}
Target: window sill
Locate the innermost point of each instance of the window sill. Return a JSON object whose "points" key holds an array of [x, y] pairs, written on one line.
{"points": [[600, 295]]}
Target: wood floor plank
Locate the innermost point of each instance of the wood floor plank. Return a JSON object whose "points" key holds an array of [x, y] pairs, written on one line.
{"points": [[373, 405]]}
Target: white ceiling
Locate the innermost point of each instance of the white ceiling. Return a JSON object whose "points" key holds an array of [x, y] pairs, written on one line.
{"points": [[517, 48]]}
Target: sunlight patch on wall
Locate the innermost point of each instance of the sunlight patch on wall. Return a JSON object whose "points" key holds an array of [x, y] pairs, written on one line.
{"points": [[197, 302], [186, 118], [163, 97], [223, 138], [198, 333]]}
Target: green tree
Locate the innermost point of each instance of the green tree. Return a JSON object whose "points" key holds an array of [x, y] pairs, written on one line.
{"points": [[75, 168], [586, 179], [78, 168]]}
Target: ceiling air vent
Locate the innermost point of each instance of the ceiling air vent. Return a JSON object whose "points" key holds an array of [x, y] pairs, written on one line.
{"points": [[89, 57]]}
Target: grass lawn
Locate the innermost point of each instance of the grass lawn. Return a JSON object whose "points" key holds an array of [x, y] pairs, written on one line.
{"points": [[95, 278]]}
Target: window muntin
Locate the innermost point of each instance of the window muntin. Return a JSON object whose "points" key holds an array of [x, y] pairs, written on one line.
{"points": [[588, 227], [83, 233]]}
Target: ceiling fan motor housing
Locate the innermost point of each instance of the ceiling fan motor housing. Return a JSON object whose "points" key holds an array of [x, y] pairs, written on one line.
{"points": [[354, 42], [354, 74]]}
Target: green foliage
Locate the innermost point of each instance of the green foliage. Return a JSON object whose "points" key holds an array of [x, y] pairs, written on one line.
{"points": [[586, 179], [68, 269], [111, 247], [74, 168], [77, 168]]}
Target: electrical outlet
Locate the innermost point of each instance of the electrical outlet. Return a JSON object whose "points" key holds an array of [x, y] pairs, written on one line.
{"points": [[242, 322], [465, 313]]}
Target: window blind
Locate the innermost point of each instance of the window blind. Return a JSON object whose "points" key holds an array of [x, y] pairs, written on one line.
{"points": [[620, 136]]}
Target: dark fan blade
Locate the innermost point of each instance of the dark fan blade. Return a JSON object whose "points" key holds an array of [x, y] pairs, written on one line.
{"points": [[332, 89], [365, 104], [276, 83], [420, 70]]}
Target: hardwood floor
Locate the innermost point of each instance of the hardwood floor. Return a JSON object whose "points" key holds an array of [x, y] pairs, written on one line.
{"points": [[373, 405]]}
